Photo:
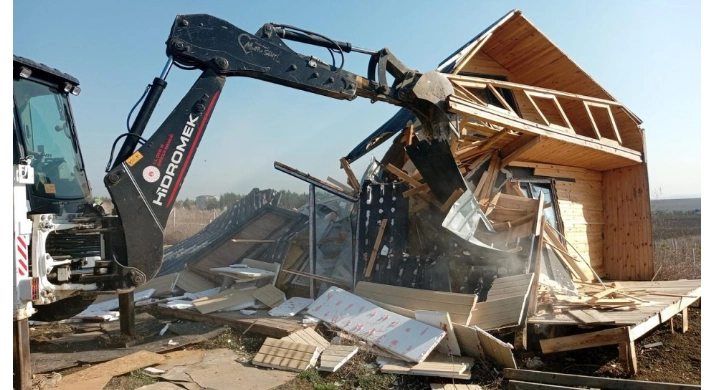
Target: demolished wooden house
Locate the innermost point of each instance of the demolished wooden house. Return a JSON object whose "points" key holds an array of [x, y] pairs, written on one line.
{"points": [[545, 173], [531, 217]]}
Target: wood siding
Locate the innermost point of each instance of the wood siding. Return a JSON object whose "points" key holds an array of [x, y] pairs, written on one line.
{"points": [[628, 241], [581, 209]]}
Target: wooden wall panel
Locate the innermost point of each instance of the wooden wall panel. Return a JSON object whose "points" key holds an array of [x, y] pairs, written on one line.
{"points": [[580, 205], [628, 241]]}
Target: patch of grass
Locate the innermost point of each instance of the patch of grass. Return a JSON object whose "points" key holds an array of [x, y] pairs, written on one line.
{"points": [[130, 381]]}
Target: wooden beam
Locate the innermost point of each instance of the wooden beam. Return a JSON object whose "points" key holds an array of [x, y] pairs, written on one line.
{"points": [[352, 180], [415, 190], [487, 144], [538, 90], [517, 385], [502, 100], [460, 106], [402, 175], [560, 379], [535, 106], [452, 199], [376, 248], [518, 153], [586, 340], [478, 45]]}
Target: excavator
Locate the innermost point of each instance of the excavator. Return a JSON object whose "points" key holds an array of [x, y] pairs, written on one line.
{"points": [[69, 250]]}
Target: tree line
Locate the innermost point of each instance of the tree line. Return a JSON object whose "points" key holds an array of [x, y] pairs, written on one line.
{"points": [[288, 200]]}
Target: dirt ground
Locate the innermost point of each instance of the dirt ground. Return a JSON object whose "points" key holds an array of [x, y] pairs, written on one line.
{"points": [[676, 361]]}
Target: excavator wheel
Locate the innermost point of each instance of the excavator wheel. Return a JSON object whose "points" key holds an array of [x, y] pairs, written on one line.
{"points": [[62, 309]]}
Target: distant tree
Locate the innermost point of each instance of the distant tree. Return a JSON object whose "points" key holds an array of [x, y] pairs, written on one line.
{"points": [[228, 199], [212, 204], [292, 200], [188, 203]]}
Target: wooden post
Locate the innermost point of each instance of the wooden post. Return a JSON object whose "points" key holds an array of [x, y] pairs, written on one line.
{"points": [[127, 314], [521, 338], [21, 365], [312, 237], [685, 320]]}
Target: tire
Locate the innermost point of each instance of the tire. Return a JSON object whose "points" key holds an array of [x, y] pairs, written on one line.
{"points": [[62, 309]]}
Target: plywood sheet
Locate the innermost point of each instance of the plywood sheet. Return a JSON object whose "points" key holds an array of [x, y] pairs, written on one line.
{"points": [[192, 282], [291, 307], [440, 319], [459, 306], [286, 355], [410, 339], [500, 352], [505, 306], [224, 300], [335, 356], [308, 336], [115, 367], [270, 296]]}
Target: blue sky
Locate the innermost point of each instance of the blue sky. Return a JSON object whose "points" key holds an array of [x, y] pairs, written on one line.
{"points": [[645, 53]]}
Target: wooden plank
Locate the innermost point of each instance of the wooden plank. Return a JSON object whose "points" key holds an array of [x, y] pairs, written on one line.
{"points": [[225, 300], [376, 248], [586, 340], [479, 187], [269, 295], [520, 152], [459, 306], [533, 89], [500, 352], [517, 385], [115, 367], [402, 175], [453, 386], [308, 336], [435, 365], [566, 174], [272, 327], [452, 199], [440, 319], [462, 107], [590, 381], [352, 179], [286, 355], [409, 339], [415, 190], [335, 356], [493, 169], [468, 341]]}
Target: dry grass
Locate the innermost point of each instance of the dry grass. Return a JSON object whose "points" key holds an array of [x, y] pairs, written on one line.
{"points": [[184, 223], [676, 246]]}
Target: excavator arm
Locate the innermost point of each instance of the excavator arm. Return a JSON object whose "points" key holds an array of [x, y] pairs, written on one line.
{"points": [[144, 182]]}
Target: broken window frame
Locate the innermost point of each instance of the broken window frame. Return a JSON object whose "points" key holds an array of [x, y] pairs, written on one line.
{"points": [[557, 223]]}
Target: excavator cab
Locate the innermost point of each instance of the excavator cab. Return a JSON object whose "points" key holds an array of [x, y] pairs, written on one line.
{"points": [[46, 138], [51, 198]]}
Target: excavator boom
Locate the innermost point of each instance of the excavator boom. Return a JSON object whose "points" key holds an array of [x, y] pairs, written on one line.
{"points": [[144, 183]]}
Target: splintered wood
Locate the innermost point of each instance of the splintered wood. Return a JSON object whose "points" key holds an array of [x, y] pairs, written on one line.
{"points": [[286, 355]]}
